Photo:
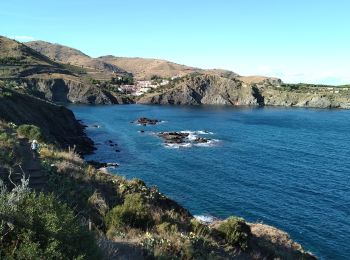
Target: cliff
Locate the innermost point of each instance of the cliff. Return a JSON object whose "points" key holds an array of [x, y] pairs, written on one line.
{"points": [[58, 124], [198, 89]]}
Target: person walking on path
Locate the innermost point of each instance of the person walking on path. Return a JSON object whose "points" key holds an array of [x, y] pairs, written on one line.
{"points": [[34, 147]]}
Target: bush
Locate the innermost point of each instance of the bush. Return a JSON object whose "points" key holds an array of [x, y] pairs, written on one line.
{"points": [[40, 227], [31, 132], [236, 231], [133, 213], [8, 149]]}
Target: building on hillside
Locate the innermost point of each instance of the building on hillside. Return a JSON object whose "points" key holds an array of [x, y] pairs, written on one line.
{"points": [[128, 89]]}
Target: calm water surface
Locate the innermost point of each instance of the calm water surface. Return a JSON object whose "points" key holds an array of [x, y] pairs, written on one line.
{"points": [[289, 168]]}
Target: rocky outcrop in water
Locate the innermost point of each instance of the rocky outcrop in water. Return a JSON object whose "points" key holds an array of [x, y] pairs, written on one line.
{"points": [[147, 121], [173, 137]]}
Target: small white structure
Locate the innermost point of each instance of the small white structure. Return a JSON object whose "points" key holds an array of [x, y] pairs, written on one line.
{"points": [[164, 82]]}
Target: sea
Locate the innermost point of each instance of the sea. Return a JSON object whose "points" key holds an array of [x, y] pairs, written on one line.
{"points": [[285, 167]]}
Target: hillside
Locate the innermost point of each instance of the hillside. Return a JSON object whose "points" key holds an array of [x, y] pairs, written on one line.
{"points": [[198, 89], [58, 123], [18, 60], [143, 68], [127, 219], [72, 56], [38, 75]]}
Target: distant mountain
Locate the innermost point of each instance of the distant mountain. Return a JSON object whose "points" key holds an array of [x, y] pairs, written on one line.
{"points": [[72, 56], [143, 68]]}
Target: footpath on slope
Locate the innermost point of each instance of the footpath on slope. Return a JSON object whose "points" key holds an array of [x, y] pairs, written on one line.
{"points": [[30, 167]]}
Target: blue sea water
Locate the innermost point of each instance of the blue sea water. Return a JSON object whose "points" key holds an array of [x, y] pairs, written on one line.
{"points": [[285, 167]]}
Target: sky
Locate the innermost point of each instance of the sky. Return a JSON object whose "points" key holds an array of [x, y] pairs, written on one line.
{"points": [[295, 40]]}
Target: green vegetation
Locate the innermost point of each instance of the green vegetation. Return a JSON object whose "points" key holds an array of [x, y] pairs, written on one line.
{"points": [[11, 60], [304, 86], [134, 213], [237, 232], [8, 148], [37, 226], [123, 80], [31, 132]]}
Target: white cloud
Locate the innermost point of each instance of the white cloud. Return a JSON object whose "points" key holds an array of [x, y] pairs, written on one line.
{"points": [[23, 38]]}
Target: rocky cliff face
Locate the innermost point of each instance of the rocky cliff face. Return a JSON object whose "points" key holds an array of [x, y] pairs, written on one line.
{"points": [[207, 89], [216, 90], [58, 123], [63, 90]]}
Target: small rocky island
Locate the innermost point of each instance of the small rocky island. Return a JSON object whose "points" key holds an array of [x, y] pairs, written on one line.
{"points": [[180, 138], [146, 121]]}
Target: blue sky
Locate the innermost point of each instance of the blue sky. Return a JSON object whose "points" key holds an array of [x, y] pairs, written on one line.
{"points": [[298, 41]]}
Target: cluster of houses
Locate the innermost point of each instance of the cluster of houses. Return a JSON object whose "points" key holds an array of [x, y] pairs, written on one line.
{"points": [[141, 87]]}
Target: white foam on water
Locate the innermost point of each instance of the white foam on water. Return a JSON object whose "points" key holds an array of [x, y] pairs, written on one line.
{"points": [[210, 143], [205, 218], [199, 132], [204, 132], [178, 146]]}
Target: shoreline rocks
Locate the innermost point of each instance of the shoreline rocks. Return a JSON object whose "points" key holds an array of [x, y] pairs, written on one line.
{"points": [[100, 165]]}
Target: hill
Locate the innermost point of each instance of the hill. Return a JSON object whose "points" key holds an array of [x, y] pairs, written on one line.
{"points": [[45, 78], [18, 60], [140, 68], [72, 56], [143, 68], [196, 89]]}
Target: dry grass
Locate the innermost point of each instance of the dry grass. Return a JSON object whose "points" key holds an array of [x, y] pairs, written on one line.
{"points": [[274, 235]]}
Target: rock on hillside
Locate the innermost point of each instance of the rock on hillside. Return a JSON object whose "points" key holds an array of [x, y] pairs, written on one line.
{"points": [[58, 123]]}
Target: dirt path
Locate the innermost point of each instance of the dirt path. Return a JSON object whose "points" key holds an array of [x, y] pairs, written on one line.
{"points": [[30, 166]]}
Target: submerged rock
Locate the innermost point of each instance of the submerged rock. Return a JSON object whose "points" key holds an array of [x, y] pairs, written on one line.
{"points": [[201, 140]]}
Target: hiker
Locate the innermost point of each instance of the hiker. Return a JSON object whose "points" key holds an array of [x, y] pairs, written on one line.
{"points": [[34, 146]]}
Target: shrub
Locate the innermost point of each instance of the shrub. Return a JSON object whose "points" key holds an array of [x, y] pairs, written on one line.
{"points": [[40, 227], [31, 132], [8, 149], [133, 213], [200, 229], [236, 231]]}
